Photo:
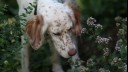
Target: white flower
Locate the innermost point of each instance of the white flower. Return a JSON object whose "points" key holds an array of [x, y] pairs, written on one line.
{"points": [[118, 47], [83, 30], [115, 59], [83, 69], [91, 21], [106, 51], [103, 70], [126, 48], [101, 40], [125, 67], [98, 26], [117, 24], [90, 62]]}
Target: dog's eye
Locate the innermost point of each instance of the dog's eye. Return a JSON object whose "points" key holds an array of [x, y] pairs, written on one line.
{"points": [[57, 33], [69, 29]]}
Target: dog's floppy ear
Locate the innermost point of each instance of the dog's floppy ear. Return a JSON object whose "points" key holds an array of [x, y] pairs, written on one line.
{"points": [[33, 30], [75, 16], [77, 26]]}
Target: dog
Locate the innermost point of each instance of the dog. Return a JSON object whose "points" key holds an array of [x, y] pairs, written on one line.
{"points": [[61, 21]]}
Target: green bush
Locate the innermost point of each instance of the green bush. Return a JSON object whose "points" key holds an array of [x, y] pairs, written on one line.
{"points": [[9, 42], [109, 59]]}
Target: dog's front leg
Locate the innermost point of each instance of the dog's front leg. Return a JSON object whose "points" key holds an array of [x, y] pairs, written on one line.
{"points": [[56, 65], [25, 59], [25, 55], [55, 59]]}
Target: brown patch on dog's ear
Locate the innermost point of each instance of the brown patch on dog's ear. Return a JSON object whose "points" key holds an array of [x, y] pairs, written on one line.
{"points": [[33, 30], [77, 26], [76, 20]]}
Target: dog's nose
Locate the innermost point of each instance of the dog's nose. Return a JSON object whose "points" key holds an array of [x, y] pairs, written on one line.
{"points": [[72, 52]]}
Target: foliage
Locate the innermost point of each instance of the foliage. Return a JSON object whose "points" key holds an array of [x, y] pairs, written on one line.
{"points": [[110, 8], [110, 59], [9, 42]]}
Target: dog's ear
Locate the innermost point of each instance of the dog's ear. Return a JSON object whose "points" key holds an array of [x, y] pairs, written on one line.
{"points": [[34, 31], [77, 26], [75, 17]]}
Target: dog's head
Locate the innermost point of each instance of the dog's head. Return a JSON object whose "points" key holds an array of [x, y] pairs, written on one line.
{"points": [[61, 34]]}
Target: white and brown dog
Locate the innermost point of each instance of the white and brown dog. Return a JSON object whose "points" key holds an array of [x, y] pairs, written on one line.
{"points": [[60, 20]]}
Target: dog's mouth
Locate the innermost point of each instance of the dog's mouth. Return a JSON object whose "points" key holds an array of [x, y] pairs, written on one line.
{"points": [[66, 50]]}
